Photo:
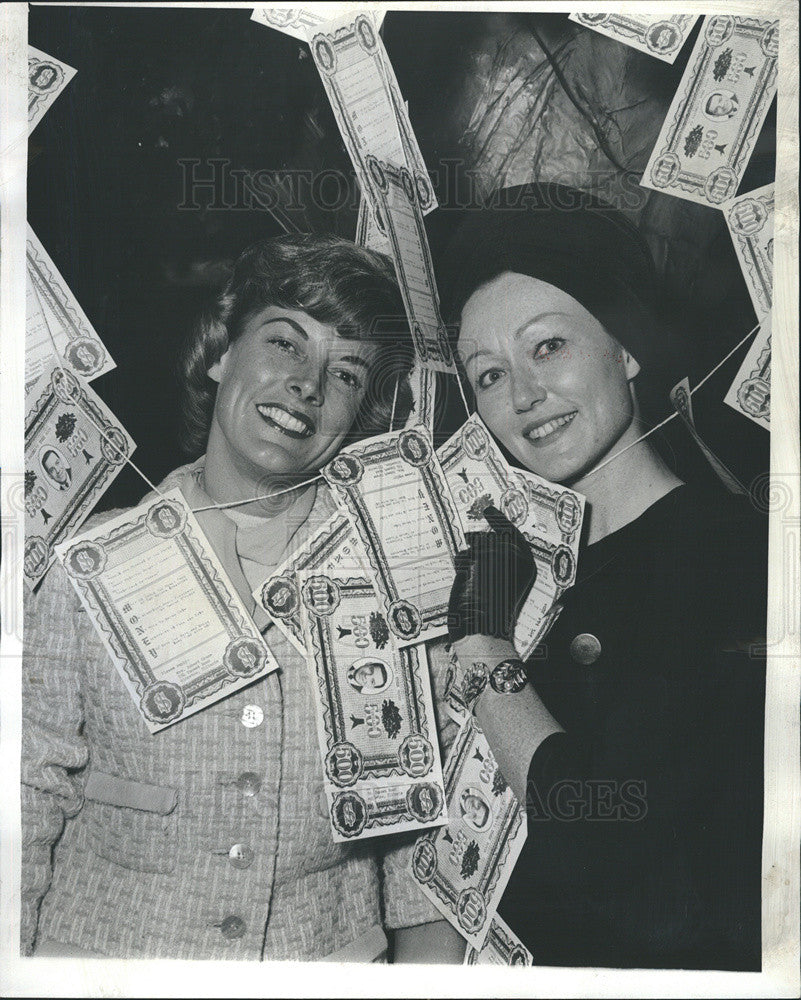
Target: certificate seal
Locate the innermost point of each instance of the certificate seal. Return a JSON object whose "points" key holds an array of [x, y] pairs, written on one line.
{"points": [[517, 956], [721, 185], [324, 54], [407, 184], [280, 597], [44, 77], [85, 561], [163, 702], [349, 814], [719, 29], [64, 385], [471, 910], [165, 519], [424, 802], [424, 860], [414, 448], [113, 445], [244, 657], [423, 188], [85, 356], [662, 37], [344, 470], [405, 619], [475, 442], [344, 764], [37, 556], [563, 565], [321, 596], [665, 169], [748, 217], [365, 33], [377, 174], [514, 505], [754, 397], [592, 19], [420, 341], [567, 513], [769, 42], [416, 756]]}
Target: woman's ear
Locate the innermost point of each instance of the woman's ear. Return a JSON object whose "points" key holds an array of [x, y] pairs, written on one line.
{"points": [[631, 365], [217, 370]]}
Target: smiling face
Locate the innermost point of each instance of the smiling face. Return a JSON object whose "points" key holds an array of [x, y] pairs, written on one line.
{"points": [[550, 383], [289, 391]]}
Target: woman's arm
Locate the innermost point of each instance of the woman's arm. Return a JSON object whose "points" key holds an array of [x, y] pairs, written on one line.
{"points": [[429, 944]]}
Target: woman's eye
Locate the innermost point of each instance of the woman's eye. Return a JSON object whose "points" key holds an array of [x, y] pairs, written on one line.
{"points": [[351, 380], [283, 344], [487, 378], [546, 347]]}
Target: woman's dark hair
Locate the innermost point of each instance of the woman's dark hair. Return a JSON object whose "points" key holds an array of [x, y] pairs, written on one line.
{"points": [[337, 283]]}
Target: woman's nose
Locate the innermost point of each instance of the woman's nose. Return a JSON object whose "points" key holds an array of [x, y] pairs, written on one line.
{"points": [[527, 391], [307, 385]]}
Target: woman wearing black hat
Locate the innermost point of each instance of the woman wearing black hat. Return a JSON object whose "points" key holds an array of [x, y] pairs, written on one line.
{"points": [[634, 734]]}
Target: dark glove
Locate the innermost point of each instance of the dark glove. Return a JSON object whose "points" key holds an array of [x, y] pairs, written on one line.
{"points": [[493, 579]]}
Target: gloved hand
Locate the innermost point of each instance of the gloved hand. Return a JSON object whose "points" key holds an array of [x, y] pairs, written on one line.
{"points": [[493, 579]]}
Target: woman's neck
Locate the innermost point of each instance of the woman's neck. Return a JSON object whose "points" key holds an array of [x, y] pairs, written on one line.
{"points": [[618, 493]]}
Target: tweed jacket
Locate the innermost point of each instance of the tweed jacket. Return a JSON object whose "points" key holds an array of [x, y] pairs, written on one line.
{"points": [[207, 840]]}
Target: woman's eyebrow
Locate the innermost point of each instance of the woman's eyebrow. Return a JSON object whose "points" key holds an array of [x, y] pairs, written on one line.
{"points": [[355, 360], [290, 322], [536, 319]]}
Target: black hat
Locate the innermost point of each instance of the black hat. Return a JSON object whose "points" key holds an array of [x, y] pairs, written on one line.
{"points": [[567, 238]]}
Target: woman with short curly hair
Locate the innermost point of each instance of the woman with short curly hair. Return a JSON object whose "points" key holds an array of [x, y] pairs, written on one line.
{"points": [[211, 839]]}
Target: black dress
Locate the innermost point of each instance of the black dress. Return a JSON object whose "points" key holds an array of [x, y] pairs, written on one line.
{"points": [[645, 816]]}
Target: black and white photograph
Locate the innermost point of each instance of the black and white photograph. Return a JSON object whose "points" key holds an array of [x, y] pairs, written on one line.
{"points": [[401, 538]]}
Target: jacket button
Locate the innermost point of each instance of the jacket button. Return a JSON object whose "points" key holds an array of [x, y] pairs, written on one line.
{"points": [[585, 649], [240, 856], [232, 927], [252, 716], [249, 783]]}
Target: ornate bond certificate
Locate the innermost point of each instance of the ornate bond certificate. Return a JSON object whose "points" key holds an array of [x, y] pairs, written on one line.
{"points": [[681, 399], [750, 222], [54, 321], [464, 867], [334, 548], [750, 391], [74, 449], [725, 92], [394, 492], [375, 716], [657, 35], [366, 100], [399, 210], [501, 947], [47, 77], [299, 21], [549, 516], [162, 603]]}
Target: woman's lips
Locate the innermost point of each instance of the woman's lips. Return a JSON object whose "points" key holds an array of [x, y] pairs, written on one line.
{"points": [[543, 432], [289, 422]]}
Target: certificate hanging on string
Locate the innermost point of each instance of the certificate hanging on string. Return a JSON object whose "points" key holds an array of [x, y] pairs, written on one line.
{"points": [[163, 605]]}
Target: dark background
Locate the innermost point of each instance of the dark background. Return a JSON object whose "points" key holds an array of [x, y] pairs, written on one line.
{"points": [[155, 86]]}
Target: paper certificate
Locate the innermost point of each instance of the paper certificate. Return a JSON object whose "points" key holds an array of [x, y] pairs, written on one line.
{"points": [[549, 516], [750, 222], [47, 77], [725, 92], [681, 400], [394, 492], [366, 100], [334, 548], [399, 211], [501, 947], [299, 21], [368, 232], [54, 321], [74, 448], [423, 382], [375, 716], [168, 616], [465, 866], [750, 392], [656, 34]]}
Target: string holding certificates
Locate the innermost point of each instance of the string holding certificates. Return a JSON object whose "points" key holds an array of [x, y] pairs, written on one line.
{"points": [[162, 603]]}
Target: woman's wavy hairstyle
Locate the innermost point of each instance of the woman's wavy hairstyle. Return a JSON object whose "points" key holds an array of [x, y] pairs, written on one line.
{"points": [[337, 283]]}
